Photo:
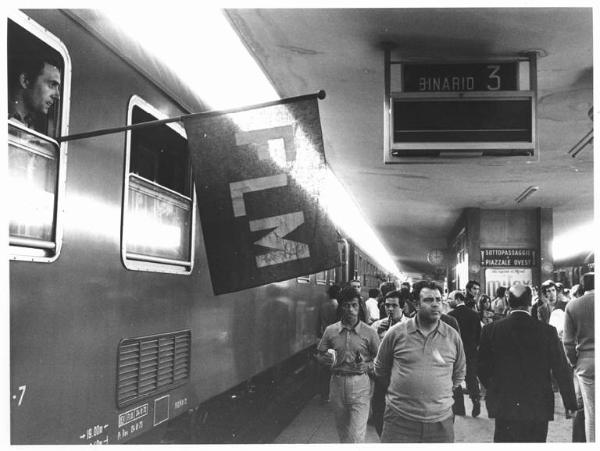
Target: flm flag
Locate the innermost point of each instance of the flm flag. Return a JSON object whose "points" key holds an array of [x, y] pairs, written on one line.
{"points": [[258, 176]]}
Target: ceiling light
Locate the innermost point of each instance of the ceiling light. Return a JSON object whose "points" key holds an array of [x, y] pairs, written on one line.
{"points": [[526, 193]]}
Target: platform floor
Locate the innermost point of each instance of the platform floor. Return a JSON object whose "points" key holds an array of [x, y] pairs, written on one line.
{"points": [[315, 424]]}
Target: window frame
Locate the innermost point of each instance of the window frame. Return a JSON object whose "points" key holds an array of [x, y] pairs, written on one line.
{"points": [[28, 253], [303, 279], [321, 277], [181, 268]]}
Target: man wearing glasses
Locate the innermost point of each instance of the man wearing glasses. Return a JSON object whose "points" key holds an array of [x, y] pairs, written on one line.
{"points": [[420, 361]]}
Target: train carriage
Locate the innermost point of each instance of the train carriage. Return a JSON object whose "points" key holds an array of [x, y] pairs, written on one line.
{"points": [[114, 327]]}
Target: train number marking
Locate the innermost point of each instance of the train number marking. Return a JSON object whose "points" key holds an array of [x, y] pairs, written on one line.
{"points": [[22, 389]]}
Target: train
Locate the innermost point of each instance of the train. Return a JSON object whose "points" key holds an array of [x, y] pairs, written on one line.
{"points": [[115, 331], [570, 270]]}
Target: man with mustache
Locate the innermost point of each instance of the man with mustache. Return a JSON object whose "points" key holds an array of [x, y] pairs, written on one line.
{"points": [[420, 361]]}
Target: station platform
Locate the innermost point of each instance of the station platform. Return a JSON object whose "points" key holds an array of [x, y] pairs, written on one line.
{"points": [[315, 424]]}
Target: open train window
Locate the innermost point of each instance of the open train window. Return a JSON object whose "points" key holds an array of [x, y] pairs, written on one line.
{"points": [[158, 213], [38, 82]]}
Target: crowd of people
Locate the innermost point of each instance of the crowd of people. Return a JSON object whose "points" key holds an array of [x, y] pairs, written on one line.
{"points": [[400, 358]]}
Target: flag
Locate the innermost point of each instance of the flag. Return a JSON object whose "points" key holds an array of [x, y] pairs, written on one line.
{"points": [[258, 175]]}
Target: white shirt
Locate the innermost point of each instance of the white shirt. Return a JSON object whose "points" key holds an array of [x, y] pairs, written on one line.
{"points": [[557, 319], [372, 310]]}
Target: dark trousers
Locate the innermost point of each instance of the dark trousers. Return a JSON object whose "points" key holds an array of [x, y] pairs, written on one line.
{"points": [[578, 434], [458, 408], [378, 406], [323, 376], [471, 378], [520, 431]]}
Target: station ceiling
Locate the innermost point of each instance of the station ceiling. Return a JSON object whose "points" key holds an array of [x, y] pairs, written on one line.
{"points": [[412, 207]]}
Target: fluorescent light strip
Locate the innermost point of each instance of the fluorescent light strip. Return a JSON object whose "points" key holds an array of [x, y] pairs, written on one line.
{"points": [[573, 242], [225, 75], [525, 194]]}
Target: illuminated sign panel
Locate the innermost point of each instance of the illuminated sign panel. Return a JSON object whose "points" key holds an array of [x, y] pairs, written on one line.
{"points": [[460, 109]]}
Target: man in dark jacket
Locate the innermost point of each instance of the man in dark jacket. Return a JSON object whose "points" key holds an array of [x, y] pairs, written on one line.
{"points": [[516, 356], [470, 330]]}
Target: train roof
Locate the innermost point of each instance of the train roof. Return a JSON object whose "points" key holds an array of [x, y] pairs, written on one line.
{"points": [[140, 58]]}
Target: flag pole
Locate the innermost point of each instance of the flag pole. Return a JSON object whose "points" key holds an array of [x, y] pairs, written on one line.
{"points": [[107, 131]]}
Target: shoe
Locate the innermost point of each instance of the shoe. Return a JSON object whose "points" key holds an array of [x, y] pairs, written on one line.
{"points": [[476, 409]]}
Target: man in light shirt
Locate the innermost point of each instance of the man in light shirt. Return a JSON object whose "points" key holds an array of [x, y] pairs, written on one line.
{"points": [[348, 347], [372, 312], [420, 361]]}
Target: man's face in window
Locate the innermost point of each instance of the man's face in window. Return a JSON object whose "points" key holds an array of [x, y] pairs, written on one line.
{"points": [[40, 94]]}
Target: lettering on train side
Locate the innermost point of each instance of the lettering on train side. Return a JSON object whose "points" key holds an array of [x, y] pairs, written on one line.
{"points": [[268, 144], [181, 403], [133, 414], [130, 429], [98, 434], [22, 390]]}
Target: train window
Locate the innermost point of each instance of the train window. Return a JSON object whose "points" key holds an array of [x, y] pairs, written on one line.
{"points": [[303, 279], [158, 218], [331, 276], [321, 278], [38, 71]]}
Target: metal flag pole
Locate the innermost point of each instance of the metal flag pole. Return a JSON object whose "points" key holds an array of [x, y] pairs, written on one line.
{"points": [[107, 131]]}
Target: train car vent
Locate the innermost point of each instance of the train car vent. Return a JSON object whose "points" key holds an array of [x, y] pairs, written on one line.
{"points": [[151, 365]]}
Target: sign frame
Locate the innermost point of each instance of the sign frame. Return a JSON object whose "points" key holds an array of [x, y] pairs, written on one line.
{"points": [[448, 151], [523, 257]]}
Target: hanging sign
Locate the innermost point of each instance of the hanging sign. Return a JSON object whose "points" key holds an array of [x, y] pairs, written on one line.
{"points": [[508, 257]]}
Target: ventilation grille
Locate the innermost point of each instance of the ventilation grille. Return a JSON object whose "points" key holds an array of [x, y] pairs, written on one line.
{"points": [[151, 365]]}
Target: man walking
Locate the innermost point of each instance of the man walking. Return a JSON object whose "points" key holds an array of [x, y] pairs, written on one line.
{"points": [[472, 294], [348, 347], [578, 340], [470, 331], [394, 315], [516, 357], [420, 361], [372, 307], [543, 308]]}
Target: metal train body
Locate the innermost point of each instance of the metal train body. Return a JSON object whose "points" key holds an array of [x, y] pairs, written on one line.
{"points": [[83, 313]]}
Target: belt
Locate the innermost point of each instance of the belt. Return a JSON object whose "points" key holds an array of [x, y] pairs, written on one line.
{"points": [[345, 374]]}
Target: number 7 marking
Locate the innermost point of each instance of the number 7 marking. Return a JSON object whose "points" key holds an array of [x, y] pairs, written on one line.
{"points": [[22, 389]]}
